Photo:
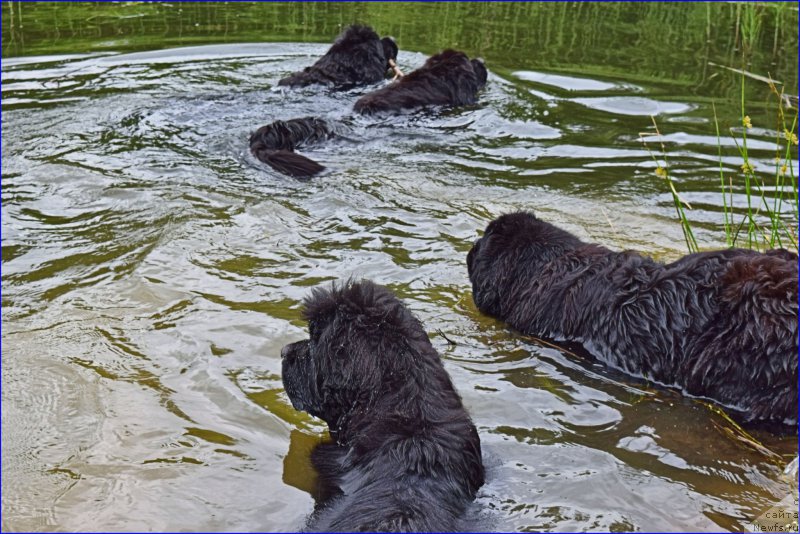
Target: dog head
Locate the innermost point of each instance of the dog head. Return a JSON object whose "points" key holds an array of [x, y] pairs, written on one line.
{"points": [[511, 244], [358, 56], [360, 44], [362, 343], [390, 49]]}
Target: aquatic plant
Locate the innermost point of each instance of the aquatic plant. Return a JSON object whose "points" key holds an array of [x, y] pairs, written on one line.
{"points": [[767, 222]]}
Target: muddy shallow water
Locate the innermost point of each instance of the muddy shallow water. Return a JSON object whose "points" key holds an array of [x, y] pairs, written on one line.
{"points": [[152, 270]]}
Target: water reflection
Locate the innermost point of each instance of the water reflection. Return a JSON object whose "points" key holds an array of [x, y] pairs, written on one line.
{"points": [[297, 468]]}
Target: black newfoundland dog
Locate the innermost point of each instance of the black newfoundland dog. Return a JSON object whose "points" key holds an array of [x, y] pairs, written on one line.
{"points": [[275, 145], [357, 57], [406, 456], [720, 325], [446, 79]]}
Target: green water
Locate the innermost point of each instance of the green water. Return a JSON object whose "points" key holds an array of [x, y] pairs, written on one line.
{"points": [[151, 270]]}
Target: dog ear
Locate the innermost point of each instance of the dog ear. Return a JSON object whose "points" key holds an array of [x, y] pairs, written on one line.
{"points": [[390, 49], [347, 375], [480, 71], [485, 293], [490, 268]]}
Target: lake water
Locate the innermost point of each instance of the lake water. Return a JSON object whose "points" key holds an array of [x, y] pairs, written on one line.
{"points": [[152, 270]]}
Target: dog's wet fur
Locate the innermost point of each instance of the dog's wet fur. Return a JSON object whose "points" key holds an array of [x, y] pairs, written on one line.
{"points": [[447, 79], [275, 145], [406, 456], [358, 56], [720, 325]]}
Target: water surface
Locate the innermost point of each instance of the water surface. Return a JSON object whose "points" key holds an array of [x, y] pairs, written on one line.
{"points": [[152, 270]]}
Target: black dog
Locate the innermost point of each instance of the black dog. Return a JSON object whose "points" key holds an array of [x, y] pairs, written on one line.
{"points": [[720, 325], [406, 455], [357, 57], [446, 79], [275, 145]]}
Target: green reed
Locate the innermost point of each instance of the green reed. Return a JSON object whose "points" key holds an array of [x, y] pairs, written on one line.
{"points": [[765, 223], [662, 171]]}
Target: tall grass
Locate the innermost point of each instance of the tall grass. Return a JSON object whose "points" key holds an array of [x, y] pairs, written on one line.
{"points": [[662, 171], [764, 227], [766, 222]]}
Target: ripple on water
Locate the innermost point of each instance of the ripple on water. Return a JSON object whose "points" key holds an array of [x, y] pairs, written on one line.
{"points": [[152, 270]]}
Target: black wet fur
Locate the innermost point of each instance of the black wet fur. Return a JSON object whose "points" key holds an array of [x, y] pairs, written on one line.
{"points": [[406, 457], [446, 79], [449, 78], [275, 145], [357, 57], [720, 325]]}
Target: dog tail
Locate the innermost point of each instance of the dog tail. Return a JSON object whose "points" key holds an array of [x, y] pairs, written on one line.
{"points": [[274, 144], [286, 161]]}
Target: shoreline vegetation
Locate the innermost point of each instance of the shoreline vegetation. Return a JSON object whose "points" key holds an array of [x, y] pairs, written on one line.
{"points": [[766, 215]]}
